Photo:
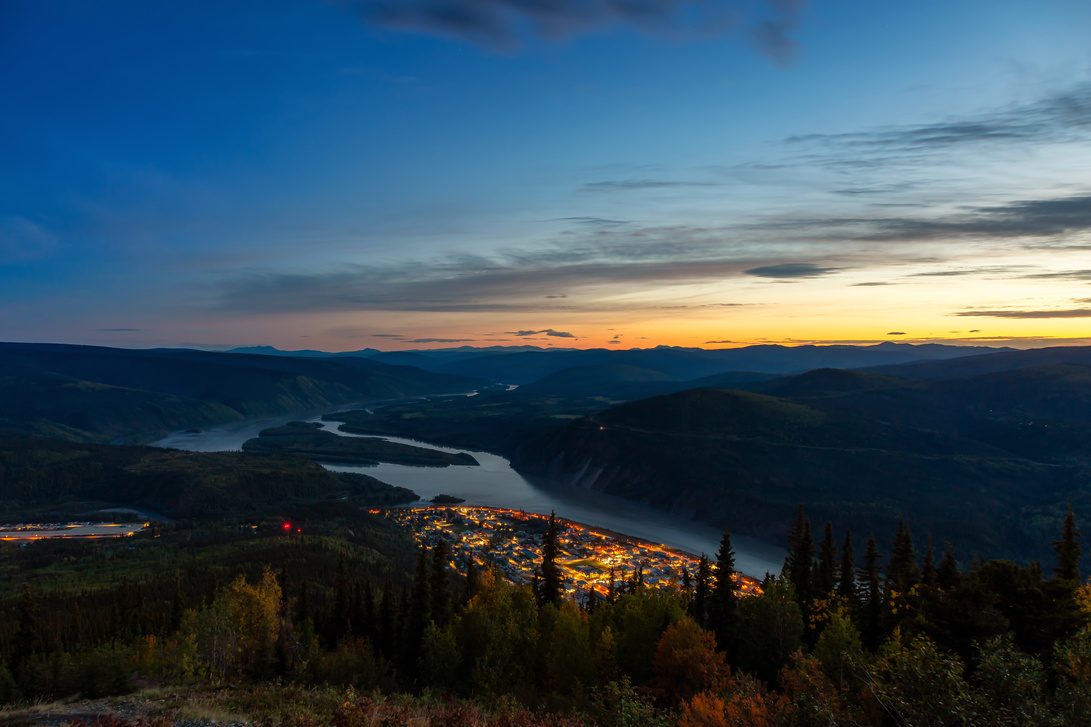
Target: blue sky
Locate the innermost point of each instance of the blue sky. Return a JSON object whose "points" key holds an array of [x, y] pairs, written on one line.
{"points": [[627, 172]]}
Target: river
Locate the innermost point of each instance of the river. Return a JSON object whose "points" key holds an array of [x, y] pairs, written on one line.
{"points": [[495, 484]]}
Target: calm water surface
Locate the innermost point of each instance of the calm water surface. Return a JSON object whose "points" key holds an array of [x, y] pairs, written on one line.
{"points": [[495, 484]]}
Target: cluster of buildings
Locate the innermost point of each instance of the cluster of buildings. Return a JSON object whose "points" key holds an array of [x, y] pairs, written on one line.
{"points": [[26, 532], [511, 540]]}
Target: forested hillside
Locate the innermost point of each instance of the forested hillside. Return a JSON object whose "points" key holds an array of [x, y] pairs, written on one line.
{"points": [[99, 394], [987, 462]]}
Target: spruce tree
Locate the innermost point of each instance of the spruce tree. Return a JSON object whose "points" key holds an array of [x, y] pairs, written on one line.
{"points": [[303, 606], [827, 564], [387, 622], [550, 587], [1068, 551], [872, 588], [702, 593], [177, 607], [418, 616], [441, 584], [725, 598], [28, 637], [846, 583], [471, 580], [929, 572], [339, 626], [902, 572], [799, 563], [948, 575]]}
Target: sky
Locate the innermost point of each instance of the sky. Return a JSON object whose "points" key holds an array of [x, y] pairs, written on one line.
{"points": [[400, 174]]}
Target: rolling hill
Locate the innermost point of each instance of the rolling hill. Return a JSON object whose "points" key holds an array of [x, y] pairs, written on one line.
{"points": [[100, 394], [987, 462]]}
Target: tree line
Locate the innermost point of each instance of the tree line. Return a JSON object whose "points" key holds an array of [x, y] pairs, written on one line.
{"points": [[886, 639]]}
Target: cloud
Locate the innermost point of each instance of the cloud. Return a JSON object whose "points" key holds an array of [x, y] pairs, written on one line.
{"points": [[594, 221], [547, 331], [1073, 313], [23, 241], [592, 263], [1062, 275], [871, 285], [119, 330], [772, 36], [1061, 116], [440, 340], [638, 184], [896, 333], [387, 335], [613, 342], [1026, 218], [715, 342], [508, 24], [790, 270], [347, 332]]}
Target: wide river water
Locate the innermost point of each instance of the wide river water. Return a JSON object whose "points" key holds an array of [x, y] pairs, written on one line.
{"points": [[495, 484]]}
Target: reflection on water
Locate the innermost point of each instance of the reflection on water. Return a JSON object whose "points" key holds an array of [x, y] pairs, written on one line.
{"points": [[494, 483]]}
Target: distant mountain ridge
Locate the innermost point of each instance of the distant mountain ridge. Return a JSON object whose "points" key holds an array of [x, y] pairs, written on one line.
{"points": [[526, 364], [98, 393]]}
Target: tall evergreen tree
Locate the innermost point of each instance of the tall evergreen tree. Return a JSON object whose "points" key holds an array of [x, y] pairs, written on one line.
{"points": [[799, 563], [441, 584], [903, 571], [702, 593], [418, 617], [725, 598], [303, 606], [948, 574], [827, 564], [28, 635], [471, 581], [1068, 551], [550, 587], [177, 606], [929, 572], [846, 583], [872, 588], [339, 626], [388, 625]]}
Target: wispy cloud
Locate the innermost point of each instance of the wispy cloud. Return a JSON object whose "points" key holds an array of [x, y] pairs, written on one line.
{"points": [[22, 240], [790, 271], [546, 331], [440, 340], [1058, 117], [592, 262], [630, 185], [773, 35], [507, 24], [1072, 313]]}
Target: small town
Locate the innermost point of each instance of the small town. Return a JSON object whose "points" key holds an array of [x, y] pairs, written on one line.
{"points": [[511, 540]]}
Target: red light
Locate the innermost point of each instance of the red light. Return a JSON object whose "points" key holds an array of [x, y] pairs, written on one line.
{"points": [[299, 530], [287, 526]]}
